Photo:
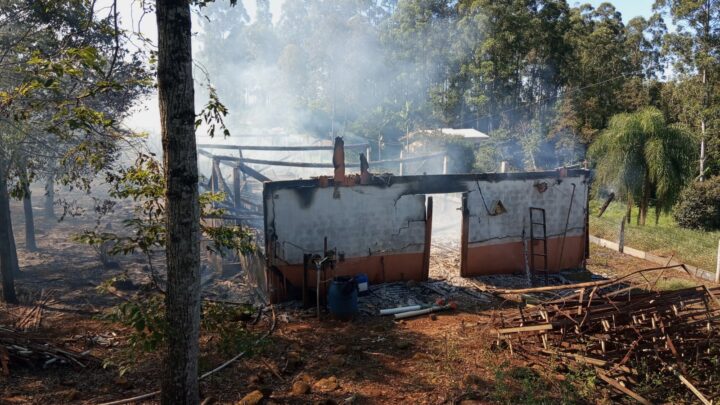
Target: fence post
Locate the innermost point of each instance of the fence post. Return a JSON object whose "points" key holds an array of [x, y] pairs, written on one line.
{"points": [[717, 266], [621, 242]]}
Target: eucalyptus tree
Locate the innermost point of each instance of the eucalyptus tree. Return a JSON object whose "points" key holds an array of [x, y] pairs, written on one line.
{"points": [[639, 156], [694, 47]]}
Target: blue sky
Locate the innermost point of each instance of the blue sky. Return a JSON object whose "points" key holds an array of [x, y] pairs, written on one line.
{"points": [[628, 8]]}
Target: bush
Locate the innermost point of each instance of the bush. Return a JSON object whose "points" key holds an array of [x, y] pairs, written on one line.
{"points": [[699, 205]]}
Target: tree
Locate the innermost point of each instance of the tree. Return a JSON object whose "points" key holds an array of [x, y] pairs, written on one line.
{"points": [[59, 66], [694, 47], [639, 156], [177, 116]]}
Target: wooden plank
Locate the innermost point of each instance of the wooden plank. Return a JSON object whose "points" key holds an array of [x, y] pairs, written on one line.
{"points": [[576, 286], [532, 328], [615, 384]]}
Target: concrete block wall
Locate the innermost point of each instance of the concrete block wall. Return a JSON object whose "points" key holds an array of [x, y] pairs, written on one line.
{"points": [[380, 228], [358, 221], [495, 241]]}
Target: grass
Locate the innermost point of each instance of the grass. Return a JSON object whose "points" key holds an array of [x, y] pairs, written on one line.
{"points": [[697, 248]]}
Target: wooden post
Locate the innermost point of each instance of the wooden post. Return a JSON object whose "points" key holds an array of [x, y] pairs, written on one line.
{"points": [[215, 177], [464, 236], [237, 178], [428, 238], [621, 241], [717, 266], [401, 163], [339, 161]]}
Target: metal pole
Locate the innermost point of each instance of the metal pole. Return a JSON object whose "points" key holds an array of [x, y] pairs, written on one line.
{"points": [[717, 267], [318, 268], [401, 163], [445, 164]]}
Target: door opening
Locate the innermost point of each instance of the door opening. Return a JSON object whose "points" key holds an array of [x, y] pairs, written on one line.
{"points": [[445, 248]]}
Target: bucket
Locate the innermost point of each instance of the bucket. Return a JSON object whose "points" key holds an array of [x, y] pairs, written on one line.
{"points": [[363, 283], [343, 297]]}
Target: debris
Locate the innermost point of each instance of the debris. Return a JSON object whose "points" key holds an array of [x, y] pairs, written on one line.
{"points": [[300, 388], [326, 384], [614, 322], [31, 349], [252, 398]]}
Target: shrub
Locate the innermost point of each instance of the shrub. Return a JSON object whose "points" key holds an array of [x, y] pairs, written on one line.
{"points": [[699, 205]]}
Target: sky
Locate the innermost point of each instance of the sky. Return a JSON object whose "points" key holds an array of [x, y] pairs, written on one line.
{"points": [[146, 117], [628, 8]]}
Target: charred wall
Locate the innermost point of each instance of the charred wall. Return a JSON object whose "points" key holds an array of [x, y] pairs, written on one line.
{"points": [[380, 228]]}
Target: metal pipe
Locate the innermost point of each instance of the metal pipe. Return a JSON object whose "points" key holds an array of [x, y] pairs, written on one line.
{"points": [[393, 311]]}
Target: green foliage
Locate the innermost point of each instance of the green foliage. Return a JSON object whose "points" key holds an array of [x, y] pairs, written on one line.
{"points": [[144, 183], [699, 205], [229, 323], [664, 238], [639, 155], [522, 385], [145, 316]]}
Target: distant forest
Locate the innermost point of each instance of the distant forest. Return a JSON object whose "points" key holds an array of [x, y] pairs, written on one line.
{"points": [[541, 77]]}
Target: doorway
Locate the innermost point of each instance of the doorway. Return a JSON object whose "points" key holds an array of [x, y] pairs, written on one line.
{"points": [[446, 236]]}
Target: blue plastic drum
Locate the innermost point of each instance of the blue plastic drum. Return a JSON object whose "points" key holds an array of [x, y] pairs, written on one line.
{"points": [[343, 297]]}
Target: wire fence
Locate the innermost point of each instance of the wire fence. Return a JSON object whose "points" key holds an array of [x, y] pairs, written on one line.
{"points": [[664, 239]]}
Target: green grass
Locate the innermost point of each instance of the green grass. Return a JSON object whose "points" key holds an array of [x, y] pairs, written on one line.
{"points": [[697, 248]]}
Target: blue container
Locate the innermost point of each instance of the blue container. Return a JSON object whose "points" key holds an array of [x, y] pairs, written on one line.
{"points": [[363, 284], [343, 297]]}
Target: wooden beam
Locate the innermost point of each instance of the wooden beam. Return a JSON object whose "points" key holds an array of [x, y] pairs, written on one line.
{"points": [[532, 328], [615, 384], [357, 146]]}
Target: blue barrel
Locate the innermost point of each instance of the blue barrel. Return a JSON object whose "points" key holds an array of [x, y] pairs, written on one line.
{"points": [[343, 297]]}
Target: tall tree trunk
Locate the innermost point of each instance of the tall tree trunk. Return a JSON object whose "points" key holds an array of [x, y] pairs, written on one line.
{"points": [[657, 214], [8, 257], [628, 213], [177, 116], [50, 196], [30, 243]]}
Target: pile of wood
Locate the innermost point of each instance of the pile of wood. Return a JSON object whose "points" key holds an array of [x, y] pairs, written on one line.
{"points": [[614, 326], [23, 349]]}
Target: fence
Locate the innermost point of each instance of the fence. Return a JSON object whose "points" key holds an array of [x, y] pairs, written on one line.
{"points": [[664, 240]]}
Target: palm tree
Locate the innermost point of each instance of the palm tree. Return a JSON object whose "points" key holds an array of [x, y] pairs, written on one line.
{"points": [[640, 155]]}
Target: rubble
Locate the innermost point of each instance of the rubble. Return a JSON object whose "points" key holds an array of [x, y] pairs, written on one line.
{"points": [[24, 348], [611, 325]]}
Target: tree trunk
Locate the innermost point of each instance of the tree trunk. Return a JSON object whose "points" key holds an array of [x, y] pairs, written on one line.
{"points": [[8, 258], [628, 214], [657, 214], [177, 115], [30, 243], [645, 203], [50, 196]]}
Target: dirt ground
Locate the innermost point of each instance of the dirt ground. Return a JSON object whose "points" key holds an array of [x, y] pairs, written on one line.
{"points": [[373, 360]]}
